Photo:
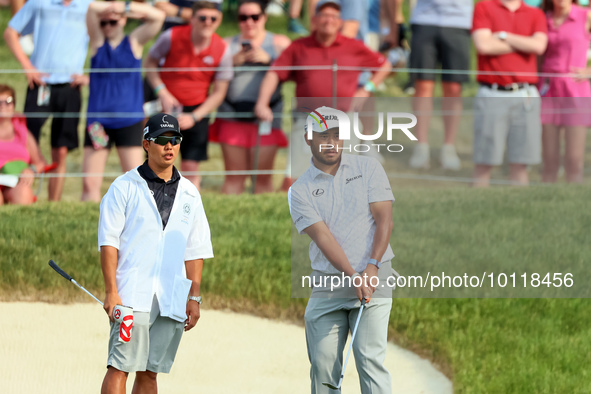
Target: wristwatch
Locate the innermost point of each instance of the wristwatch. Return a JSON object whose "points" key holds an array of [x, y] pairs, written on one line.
{"points": [[369, 87], [374, 262], [180, 11], [502, 35], [127, 7], [198, 299]]}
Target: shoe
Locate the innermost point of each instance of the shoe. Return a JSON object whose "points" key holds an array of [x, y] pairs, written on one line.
{"points": [[420, 156], [409, 88], [295, 26], [449, 158], [375, 154]]}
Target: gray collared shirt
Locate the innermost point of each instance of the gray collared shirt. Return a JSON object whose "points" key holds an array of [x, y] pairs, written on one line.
{"points": [[342, 203]]}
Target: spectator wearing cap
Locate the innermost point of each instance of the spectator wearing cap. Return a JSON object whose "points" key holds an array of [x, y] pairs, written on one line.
{"points": [[354, 14], [54, 72], [344, 204], [153, 237], [325, 46], [194, 46], [508, 36], [565, 102], [440, 37], [116, 94]]}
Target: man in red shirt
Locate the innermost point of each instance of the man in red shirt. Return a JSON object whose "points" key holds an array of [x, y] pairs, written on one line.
{"points": [[195, 45], [323, 48], [508, 36]]}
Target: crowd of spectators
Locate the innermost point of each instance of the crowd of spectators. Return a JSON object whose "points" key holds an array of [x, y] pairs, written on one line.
{"points": [[514, 41]]}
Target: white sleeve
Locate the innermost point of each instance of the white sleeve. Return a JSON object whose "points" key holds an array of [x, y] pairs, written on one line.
{"points": [[112, 216], [302, 211], [226, 62], [199, 241], [161, 47], [378, 184]]}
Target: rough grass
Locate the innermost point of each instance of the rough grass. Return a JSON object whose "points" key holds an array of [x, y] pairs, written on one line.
{"points": [[485, 345]]}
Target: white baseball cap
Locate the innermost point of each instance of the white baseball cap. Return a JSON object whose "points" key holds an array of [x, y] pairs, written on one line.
{"points": [[322, 119]]}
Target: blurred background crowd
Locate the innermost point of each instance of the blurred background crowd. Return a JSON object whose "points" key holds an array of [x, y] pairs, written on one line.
{"points": [[524, 63]]}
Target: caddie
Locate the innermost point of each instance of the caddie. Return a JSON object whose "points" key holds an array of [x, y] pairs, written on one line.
{"points": [[153, 237], [344, 204]]}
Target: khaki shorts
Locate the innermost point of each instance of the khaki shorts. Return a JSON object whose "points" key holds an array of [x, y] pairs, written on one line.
{"points": [[510, 119], [153, 345]]}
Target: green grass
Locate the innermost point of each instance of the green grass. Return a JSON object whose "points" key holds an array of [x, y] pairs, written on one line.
{"points": [[484, 345]]}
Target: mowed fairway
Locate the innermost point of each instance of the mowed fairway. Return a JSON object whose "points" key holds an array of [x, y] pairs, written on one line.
{"points": [[483, 345]]}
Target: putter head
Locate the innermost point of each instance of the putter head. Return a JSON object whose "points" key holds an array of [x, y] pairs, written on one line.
{"points": [[331, 386]]}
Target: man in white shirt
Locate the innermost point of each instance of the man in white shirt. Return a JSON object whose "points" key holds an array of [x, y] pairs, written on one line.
{"points": [[344, 204], [153, 237]]}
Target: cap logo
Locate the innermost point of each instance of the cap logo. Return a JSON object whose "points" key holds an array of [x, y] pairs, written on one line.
{"points": [[146, 130], [318, 118]]}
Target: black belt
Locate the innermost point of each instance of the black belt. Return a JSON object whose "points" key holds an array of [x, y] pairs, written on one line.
{"points": [[506, 88]]}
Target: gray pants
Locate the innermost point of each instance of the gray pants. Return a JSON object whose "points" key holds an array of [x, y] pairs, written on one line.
{"points": [[510, 118], [328, 323]]}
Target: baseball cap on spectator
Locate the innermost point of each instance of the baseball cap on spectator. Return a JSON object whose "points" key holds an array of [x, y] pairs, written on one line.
{"points": [[159, 124], [201, 4], [328, 3], [322, 120]]}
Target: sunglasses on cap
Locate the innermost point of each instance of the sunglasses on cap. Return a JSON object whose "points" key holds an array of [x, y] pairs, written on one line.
{"points": [[244, 17], [203, 18], [163, 140], [110, 22]]}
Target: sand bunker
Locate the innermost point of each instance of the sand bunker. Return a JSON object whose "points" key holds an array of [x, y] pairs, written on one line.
{"points": [[62, 349]]}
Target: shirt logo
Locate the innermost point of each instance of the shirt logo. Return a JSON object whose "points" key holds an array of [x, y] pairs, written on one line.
{"points": [[318, 192], [187, 209], [352, 179], [208, 60]]}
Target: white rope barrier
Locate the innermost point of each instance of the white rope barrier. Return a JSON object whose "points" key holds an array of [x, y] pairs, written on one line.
{"points": [[334, 68], [391, 175]]}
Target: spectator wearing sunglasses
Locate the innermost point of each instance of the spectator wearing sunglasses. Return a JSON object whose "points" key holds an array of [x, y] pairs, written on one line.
{"points": [[153, 238], [192, 46], [120, 95], [254, 46], [18, 150]]}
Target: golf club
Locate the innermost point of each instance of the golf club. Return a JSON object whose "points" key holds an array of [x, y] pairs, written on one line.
{"points": [[63, 273], [338, 386]]}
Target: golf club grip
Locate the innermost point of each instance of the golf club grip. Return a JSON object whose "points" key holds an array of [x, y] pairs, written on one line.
{"points": [[60, 271]]}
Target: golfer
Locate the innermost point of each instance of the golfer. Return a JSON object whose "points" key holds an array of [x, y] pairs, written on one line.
{"points": [[153, 237], [344, 204]]}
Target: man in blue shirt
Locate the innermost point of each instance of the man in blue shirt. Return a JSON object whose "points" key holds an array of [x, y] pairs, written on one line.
{"points": [[54, 71]]}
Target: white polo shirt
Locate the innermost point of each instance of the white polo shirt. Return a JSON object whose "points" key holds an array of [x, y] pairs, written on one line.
{"points": [[152, 260], [342, 203]]}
